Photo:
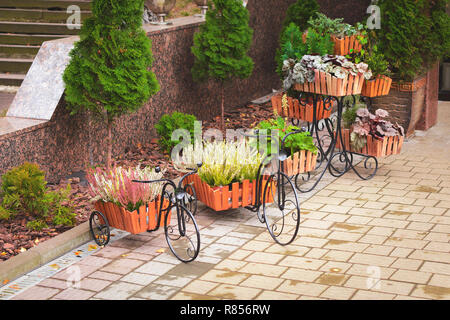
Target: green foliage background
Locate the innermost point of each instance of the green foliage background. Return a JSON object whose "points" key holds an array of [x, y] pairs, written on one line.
{"points": [[169, 123], [414, 35]]}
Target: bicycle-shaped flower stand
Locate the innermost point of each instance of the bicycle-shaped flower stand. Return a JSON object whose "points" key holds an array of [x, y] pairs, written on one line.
{"points": [[176, 204], [271, 195], [279, 198]]}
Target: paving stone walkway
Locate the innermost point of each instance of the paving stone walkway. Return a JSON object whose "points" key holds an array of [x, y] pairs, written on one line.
{"points": [[386, 238]]}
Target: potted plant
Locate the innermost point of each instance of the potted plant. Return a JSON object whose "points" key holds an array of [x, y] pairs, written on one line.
{"points": [[294, 47], [299, 146], [227, 177], [127, 205], [370, 134], [327, 75], [380, 82], [346, 38]]}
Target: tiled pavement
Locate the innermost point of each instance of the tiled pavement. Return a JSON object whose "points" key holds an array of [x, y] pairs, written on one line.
{"points": [[386, 238]]}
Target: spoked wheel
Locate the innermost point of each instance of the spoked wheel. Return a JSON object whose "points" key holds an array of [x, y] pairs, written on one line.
{"points": [[99, 227], [190, 199], [281, 208], [182, 233]]}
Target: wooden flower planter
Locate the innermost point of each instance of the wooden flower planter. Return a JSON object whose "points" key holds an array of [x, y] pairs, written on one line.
{"points": [[303, 111], [374, 147], [344, 46], [326, 84], [300, 162], [224, 198], [377, 87], [134, 222]]}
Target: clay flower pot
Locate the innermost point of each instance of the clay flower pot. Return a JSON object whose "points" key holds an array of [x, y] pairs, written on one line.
{"points": [[377, 87], [134, 222], [374, 147], [300, 162], [346, 45], [303, 111], [326, 84], [224, 198]]}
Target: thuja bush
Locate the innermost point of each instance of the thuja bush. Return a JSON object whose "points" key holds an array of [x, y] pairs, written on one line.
{"points": [[24, 191], [110, 68], [414, 35], [169, 123], [221, 45]]}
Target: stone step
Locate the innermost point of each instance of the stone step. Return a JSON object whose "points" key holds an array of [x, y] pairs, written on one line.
{"points": [[13, 65], [18, 51], [27, 39], [38, 28], [38, 15], [45, 4], [11, 79]]}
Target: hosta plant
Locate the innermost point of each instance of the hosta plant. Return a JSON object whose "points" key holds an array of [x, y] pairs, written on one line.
{"points": [[223, 162], [116, 185], [375, 125]]}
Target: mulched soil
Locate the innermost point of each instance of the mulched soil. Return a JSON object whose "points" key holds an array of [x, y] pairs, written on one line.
{"points": [[16, 238]]}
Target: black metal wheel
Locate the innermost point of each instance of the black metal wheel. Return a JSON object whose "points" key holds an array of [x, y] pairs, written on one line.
{"points": [[190, 199], [99, 227], [182, 233], [281, 208]]}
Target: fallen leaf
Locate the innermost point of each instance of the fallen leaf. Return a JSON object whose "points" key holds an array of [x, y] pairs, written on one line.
{"points": [[22, 249], [162, 250], [92, 247], [15, 287], [5, 281], [55, 266], [3, 253]]}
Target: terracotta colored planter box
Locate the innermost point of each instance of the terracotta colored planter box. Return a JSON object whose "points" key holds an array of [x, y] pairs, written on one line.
{"points": [[224, 198], [303, 111], [134, 222], [324, 83], [300, 162], [343, 46], [374, 147], [377, 87]]}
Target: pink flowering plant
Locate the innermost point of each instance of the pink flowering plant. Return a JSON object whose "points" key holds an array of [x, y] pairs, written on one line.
{"points": [[116, 185], [376, 125]]}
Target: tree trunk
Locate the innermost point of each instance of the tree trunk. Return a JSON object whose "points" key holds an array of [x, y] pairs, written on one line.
{"points": [[109, 145], [222, 121]]}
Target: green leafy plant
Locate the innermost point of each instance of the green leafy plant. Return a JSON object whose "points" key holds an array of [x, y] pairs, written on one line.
{"points": [[221, 45], [293, 143], [372, 55], [337, 27], [169, 123], [297, 14], [24, 191], [293, 46], [109, 72]]}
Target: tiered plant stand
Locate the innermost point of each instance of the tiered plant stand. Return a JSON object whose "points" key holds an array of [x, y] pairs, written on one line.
{"points": [[336, 157]]}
